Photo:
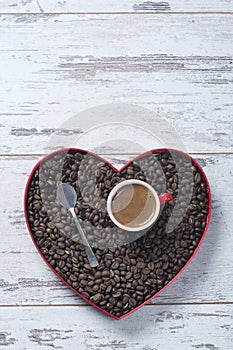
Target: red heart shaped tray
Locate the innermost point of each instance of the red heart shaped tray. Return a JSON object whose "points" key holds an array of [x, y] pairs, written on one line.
{"points": [[133, 269]]}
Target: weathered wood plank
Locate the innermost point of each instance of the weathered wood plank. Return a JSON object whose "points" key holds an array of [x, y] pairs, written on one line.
{"points": [[15, 6], [25, 279], [205, 327], [56, 66]]}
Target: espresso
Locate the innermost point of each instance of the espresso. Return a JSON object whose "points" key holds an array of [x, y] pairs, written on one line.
{"points": [[133, 205]]}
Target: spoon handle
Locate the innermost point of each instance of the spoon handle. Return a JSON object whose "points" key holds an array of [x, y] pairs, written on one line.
{"points": [[90, 254]]}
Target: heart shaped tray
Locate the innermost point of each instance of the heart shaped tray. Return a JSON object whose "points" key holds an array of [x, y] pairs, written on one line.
{"points": [[134, 267]]}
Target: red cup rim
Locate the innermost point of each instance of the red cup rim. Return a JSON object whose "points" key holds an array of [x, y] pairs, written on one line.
{"points": [[119, 170]]}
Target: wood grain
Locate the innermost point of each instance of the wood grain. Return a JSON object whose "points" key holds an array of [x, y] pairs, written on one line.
{"points": [[133, 6], [25, 279], [205, 327], [56, 66], [176, 62]]}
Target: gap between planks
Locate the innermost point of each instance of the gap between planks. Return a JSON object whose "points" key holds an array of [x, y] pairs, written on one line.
{"points": [[117, 13], [147, 305], [107, 154]]}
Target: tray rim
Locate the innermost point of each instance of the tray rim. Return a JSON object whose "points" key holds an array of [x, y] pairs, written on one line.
{"points": [[157, 150]]}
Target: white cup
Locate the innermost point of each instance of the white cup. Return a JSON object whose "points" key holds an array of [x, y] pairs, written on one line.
{"points": [[150, 221]]}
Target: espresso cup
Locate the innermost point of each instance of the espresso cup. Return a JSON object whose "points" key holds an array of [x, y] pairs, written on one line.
{"points": [[134, 205]]}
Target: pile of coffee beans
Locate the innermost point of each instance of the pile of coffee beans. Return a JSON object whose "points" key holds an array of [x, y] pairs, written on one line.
{"points": [[133, 266]]}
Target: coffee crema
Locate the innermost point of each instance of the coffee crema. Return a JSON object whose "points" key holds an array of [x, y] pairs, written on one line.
{"points": [[133, 205]]}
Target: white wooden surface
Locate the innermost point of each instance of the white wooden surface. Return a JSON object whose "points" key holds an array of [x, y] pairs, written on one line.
{"points": [[163, 327], [56, 66], [53, 66], [84, 6]]}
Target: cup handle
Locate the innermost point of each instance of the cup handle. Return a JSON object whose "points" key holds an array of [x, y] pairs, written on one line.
{"points": [[166, 197]]}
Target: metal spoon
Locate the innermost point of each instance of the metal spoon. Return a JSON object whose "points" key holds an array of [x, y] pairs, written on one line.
{"points": [[67, 197]]}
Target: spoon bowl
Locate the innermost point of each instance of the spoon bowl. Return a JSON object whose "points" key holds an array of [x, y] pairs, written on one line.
{"points": [[66, 195]]}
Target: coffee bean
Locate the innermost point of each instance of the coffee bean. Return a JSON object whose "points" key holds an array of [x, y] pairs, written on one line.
{"points": [[128, 275], [51, 225], [159, 272], [109, 256], [141, 288], [95, 288], [87, 267], [39, 234], [165, 265], [61, 245], [119, 305], [116, 295], [125, 298], [90, 283], [98, 281], [130, 170], [117, 278], [98, 274], [82, 276], [108, 289], [107, 183], [60, 251], [183, 244], [132, 302], [115, 265], [112, 300], [105, 273], [139, 292], [197, 178], [126, 260], [96, 298], [73, 278], [140, 265], [151, 266], [75, 260]]}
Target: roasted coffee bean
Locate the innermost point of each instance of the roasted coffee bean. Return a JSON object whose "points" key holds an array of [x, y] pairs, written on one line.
{"points": [[115, 265], [39, 234], [96, 298], [105, 273], [183, 244], [51, 225], [95, 288], [159, 272], [141, 288], [140, 265], [75, 260], [61, 245], [112, 300], [73, 278], [87, 267], [132, 302], [117, 278], [61, 264], [109, 289], [128, 275], [60, 251], [82, 276], [130, 272], [98, 274], [165, 265], [151, 266], [139, 292], [116, 295], [126, 260], [98, 281]]}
